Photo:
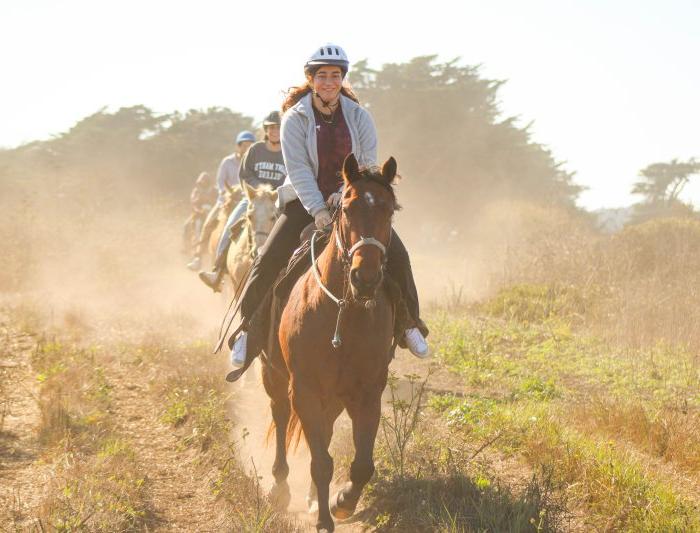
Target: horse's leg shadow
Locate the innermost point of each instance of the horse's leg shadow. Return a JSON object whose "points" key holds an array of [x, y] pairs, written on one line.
{"points": [[365, 422]]}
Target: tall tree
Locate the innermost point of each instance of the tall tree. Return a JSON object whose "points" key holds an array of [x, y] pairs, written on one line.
{"points": [[442, 122], [662, 183], [660, 187]]}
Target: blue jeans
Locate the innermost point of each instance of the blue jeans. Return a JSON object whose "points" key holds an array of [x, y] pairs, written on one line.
{"points": [[225, 239]]}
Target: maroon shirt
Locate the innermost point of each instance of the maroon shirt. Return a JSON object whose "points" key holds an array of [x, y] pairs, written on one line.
{"points": [[334, 144]]}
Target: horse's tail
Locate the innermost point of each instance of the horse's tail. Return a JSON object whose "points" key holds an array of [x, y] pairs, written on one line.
{"points": [[270, 432], [294, 430]]}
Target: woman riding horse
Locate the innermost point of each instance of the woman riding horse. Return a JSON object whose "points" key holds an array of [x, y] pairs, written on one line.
{"points": [[322, 123]]}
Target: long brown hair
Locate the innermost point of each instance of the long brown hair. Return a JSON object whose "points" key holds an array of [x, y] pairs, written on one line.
{"points": [[294, 94]]}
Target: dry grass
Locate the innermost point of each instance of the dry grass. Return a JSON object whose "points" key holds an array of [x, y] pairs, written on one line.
{"points": [[98, 485], [429, 479], [98, 492], [196, 404], [669, 433], [539, 362], [642, 283]]}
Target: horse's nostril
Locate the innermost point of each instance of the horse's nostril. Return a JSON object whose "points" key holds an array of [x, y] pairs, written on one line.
{"points": [[355, 277]]}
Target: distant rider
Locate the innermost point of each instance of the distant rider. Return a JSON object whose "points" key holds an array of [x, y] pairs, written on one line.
{"points": [[262, 164], [226, 176], [202, 199]]}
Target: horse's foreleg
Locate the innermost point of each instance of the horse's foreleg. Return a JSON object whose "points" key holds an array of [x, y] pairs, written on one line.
{"points": [[309, 408], [276, 387], [332, 411], [280, 493], [365, 422]]}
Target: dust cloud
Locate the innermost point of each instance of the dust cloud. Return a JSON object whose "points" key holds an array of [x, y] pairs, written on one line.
{"points": [[117, 272]]}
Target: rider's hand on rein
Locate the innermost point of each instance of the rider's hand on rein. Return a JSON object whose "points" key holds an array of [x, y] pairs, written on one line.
{"points": [[322, 219]]}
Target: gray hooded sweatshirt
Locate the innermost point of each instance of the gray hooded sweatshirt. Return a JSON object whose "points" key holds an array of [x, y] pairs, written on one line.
{"points": [[300, 149]]}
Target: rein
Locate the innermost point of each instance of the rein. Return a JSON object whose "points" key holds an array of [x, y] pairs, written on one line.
{"points": [[346, 257]]}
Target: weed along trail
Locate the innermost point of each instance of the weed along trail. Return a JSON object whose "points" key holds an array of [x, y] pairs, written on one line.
{"points": [[21, 473]]}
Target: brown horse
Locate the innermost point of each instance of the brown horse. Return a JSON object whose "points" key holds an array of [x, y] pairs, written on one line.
{"points": [[333, 356]]}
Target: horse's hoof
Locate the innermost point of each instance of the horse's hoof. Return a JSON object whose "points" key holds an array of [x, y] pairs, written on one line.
{"points": [[325, 529], [280, 496], [337, 509]]}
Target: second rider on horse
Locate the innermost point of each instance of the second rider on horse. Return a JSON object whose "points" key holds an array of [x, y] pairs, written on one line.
{"points": [[262, 164], [226, 177]]}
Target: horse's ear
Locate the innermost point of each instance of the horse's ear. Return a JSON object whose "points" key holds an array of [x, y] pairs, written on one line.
{"points": [[351, 169], [248, 191], [389, 170]]}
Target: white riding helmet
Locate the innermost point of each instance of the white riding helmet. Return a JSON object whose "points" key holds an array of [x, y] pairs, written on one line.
{"points": [[328, 54]]}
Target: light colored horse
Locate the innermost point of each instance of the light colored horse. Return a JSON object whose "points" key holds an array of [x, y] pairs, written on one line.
{"points": [[257, 224], [231, 198]]}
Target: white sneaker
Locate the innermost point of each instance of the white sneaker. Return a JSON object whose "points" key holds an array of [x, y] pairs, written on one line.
{"points": [[238, 351], [195, 264], [416, 343]]}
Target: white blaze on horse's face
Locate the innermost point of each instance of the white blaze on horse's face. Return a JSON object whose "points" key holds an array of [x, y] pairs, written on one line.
{"points": [[367, 232]]}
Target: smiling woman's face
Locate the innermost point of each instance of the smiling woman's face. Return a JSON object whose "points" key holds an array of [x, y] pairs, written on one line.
{"points": [[327, 82]]}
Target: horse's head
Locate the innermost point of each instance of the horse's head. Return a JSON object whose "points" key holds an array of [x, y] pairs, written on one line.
{"points": [[364, 224], [232, 196], [261, 213]]}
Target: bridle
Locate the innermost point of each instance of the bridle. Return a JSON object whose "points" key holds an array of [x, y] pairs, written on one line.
{"points": [[346, 255]]}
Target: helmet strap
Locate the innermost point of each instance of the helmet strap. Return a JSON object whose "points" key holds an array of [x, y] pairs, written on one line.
{"points": [[327, 105]]}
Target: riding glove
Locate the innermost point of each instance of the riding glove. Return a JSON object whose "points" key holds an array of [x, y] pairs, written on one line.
{"points": [[322, 219]]}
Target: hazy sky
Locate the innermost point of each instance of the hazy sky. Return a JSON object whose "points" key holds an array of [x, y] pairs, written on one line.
{"points": [[610, 85]]}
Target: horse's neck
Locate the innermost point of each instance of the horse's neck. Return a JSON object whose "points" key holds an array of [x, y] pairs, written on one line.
{"points": [[331, 268]]}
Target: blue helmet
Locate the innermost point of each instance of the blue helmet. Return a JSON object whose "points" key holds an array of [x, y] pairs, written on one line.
{"points": [[245, 136]]}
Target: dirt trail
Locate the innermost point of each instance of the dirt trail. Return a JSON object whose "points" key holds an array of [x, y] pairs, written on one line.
{"points": [[179, 490]]}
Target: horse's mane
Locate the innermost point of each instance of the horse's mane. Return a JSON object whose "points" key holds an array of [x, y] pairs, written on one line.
{"points": [[263, 190]]}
